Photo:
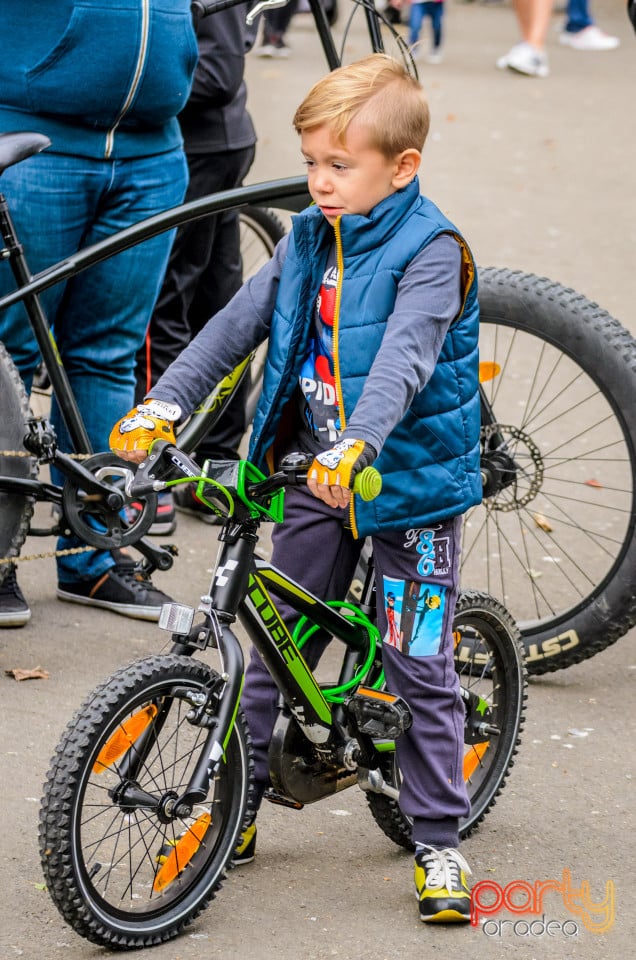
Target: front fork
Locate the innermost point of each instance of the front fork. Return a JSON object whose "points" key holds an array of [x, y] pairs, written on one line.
{"points": [[228, 698], [220, 610]]}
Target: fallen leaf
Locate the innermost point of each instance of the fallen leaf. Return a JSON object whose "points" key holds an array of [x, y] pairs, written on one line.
{"points": [[37, 673], [593, 483], [542, 523]]}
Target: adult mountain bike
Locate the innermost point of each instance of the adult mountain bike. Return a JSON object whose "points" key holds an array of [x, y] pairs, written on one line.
{"points": [[555, 536], [149, 787], [94, 510]]}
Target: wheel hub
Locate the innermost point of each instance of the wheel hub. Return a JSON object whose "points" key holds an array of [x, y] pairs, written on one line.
{"points": [[514, 467]]}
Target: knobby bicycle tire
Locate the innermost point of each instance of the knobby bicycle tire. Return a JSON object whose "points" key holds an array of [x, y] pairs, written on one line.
{"points": [[16, 510], [122, 873], [489, 663], [559, 544]]}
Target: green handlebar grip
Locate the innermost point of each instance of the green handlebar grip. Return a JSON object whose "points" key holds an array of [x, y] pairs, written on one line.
{"points": [[368, 483]]}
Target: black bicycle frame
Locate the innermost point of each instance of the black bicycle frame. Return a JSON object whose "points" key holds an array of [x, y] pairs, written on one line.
{"points": [[290, 194]]}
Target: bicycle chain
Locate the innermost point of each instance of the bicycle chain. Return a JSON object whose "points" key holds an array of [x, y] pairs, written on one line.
{"points": [[25, 453], [51, 553], [45, 556]]}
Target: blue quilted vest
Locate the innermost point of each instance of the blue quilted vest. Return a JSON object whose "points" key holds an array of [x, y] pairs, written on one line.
{"points": [[430, 461]]}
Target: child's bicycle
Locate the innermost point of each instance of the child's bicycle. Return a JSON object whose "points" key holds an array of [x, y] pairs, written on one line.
{"points": [[149, 787]]}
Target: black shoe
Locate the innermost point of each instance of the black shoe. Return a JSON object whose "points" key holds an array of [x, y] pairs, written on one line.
{"points": [[186, 500], [14, 610], [121, 589]]}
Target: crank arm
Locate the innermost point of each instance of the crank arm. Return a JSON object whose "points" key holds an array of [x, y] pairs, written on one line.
{"points": [[372, 781]]}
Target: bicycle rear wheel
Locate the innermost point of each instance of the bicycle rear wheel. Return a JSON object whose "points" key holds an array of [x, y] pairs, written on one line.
{"points": [[121, 867], [16, 509], [557, 539], [492, 676]]}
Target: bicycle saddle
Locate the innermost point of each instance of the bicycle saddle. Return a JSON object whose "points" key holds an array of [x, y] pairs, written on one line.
{"points": [[18, 146]]}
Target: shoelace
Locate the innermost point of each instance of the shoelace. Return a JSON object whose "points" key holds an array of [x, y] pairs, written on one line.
{"points": [[443, 869], [9, 585], [128, 573]]}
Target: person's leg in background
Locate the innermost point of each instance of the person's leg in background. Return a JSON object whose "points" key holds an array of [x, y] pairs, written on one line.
{"points": [[98, 318], [219, 281], [529, 57], [435, 10], [581, 32], [416, 19], [204, 272], [275, 25]]}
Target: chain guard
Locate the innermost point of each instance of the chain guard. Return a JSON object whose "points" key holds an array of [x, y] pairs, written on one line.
{"points": [[90, 517]]}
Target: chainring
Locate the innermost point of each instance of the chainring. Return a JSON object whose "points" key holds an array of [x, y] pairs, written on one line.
{"points": [[91, 518]]}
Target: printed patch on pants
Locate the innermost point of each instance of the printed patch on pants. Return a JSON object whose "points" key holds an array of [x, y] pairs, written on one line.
{"points": [[415, 616]]}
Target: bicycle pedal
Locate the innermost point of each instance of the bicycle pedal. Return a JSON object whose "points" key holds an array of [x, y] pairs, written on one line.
{"points": [[282, 801], [378, 714]]}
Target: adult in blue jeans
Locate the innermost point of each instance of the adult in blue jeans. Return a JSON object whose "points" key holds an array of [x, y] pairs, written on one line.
{"points": [[105, 83], [581, 32]]}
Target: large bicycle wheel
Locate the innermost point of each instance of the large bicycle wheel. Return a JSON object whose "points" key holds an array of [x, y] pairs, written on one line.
{"points": [[555, 534], [16, 510], [261, 230], [121, 867], [492, 676]]}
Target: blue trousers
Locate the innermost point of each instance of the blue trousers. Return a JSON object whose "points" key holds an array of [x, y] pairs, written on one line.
{"points": [[416, 586], [419, 12], [59, 205], [578, 16]]}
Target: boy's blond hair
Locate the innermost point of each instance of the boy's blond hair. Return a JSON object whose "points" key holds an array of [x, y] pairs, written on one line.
{"points": [[379, 93]]}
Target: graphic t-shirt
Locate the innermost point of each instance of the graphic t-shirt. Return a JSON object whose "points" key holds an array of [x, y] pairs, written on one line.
{"points": [[320, 415]]}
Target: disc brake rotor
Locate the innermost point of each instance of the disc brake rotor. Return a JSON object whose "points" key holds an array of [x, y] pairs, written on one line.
{"points": [[528, 467]]}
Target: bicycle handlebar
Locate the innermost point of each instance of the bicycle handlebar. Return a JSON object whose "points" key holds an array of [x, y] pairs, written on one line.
{"points": [[165, 459], [201, 9]]}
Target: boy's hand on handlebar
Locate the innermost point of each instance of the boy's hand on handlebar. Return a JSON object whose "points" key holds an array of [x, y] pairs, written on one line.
{"points": [[330, 476], [133, 434]]}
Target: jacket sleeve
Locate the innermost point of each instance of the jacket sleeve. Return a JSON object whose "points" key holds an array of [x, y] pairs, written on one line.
{"points": [[227, 338]]}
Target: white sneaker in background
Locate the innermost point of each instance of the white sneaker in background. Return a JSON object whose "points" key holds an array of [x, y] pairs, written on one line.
{"points": [[526, 59], [591, 38]]}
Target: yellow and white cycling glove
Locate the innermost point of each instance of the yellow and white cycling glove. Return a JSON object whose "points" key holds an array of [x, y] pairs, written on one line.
{"points": [[147, 422], [340, 464]]}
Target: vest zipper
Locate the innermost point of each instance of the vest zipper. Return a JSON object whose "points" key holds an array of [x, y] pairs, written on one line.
{"points": [[141, 59], [336, 357]]}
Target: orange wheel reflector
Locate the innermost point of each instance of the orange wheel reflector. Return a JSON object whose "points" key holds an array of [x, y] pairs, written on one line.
{"points": [[182, 853], [473, 758], [488, 370], [123, 738]]}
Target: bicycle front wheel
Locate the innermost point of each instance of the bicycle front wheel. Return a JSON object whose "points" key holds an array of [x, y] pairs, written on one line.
{"points": [[121, 867], [16, 509], [555, 536], [492, 676]]}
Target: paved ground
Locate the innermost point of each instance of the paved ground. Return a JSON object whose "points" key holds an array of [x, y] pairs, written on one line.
{"points": [[539, 175]]}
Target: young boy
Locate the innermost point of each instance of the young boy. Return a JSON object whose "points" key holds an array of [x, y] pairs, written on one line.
{"points": [[371, 312]]}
